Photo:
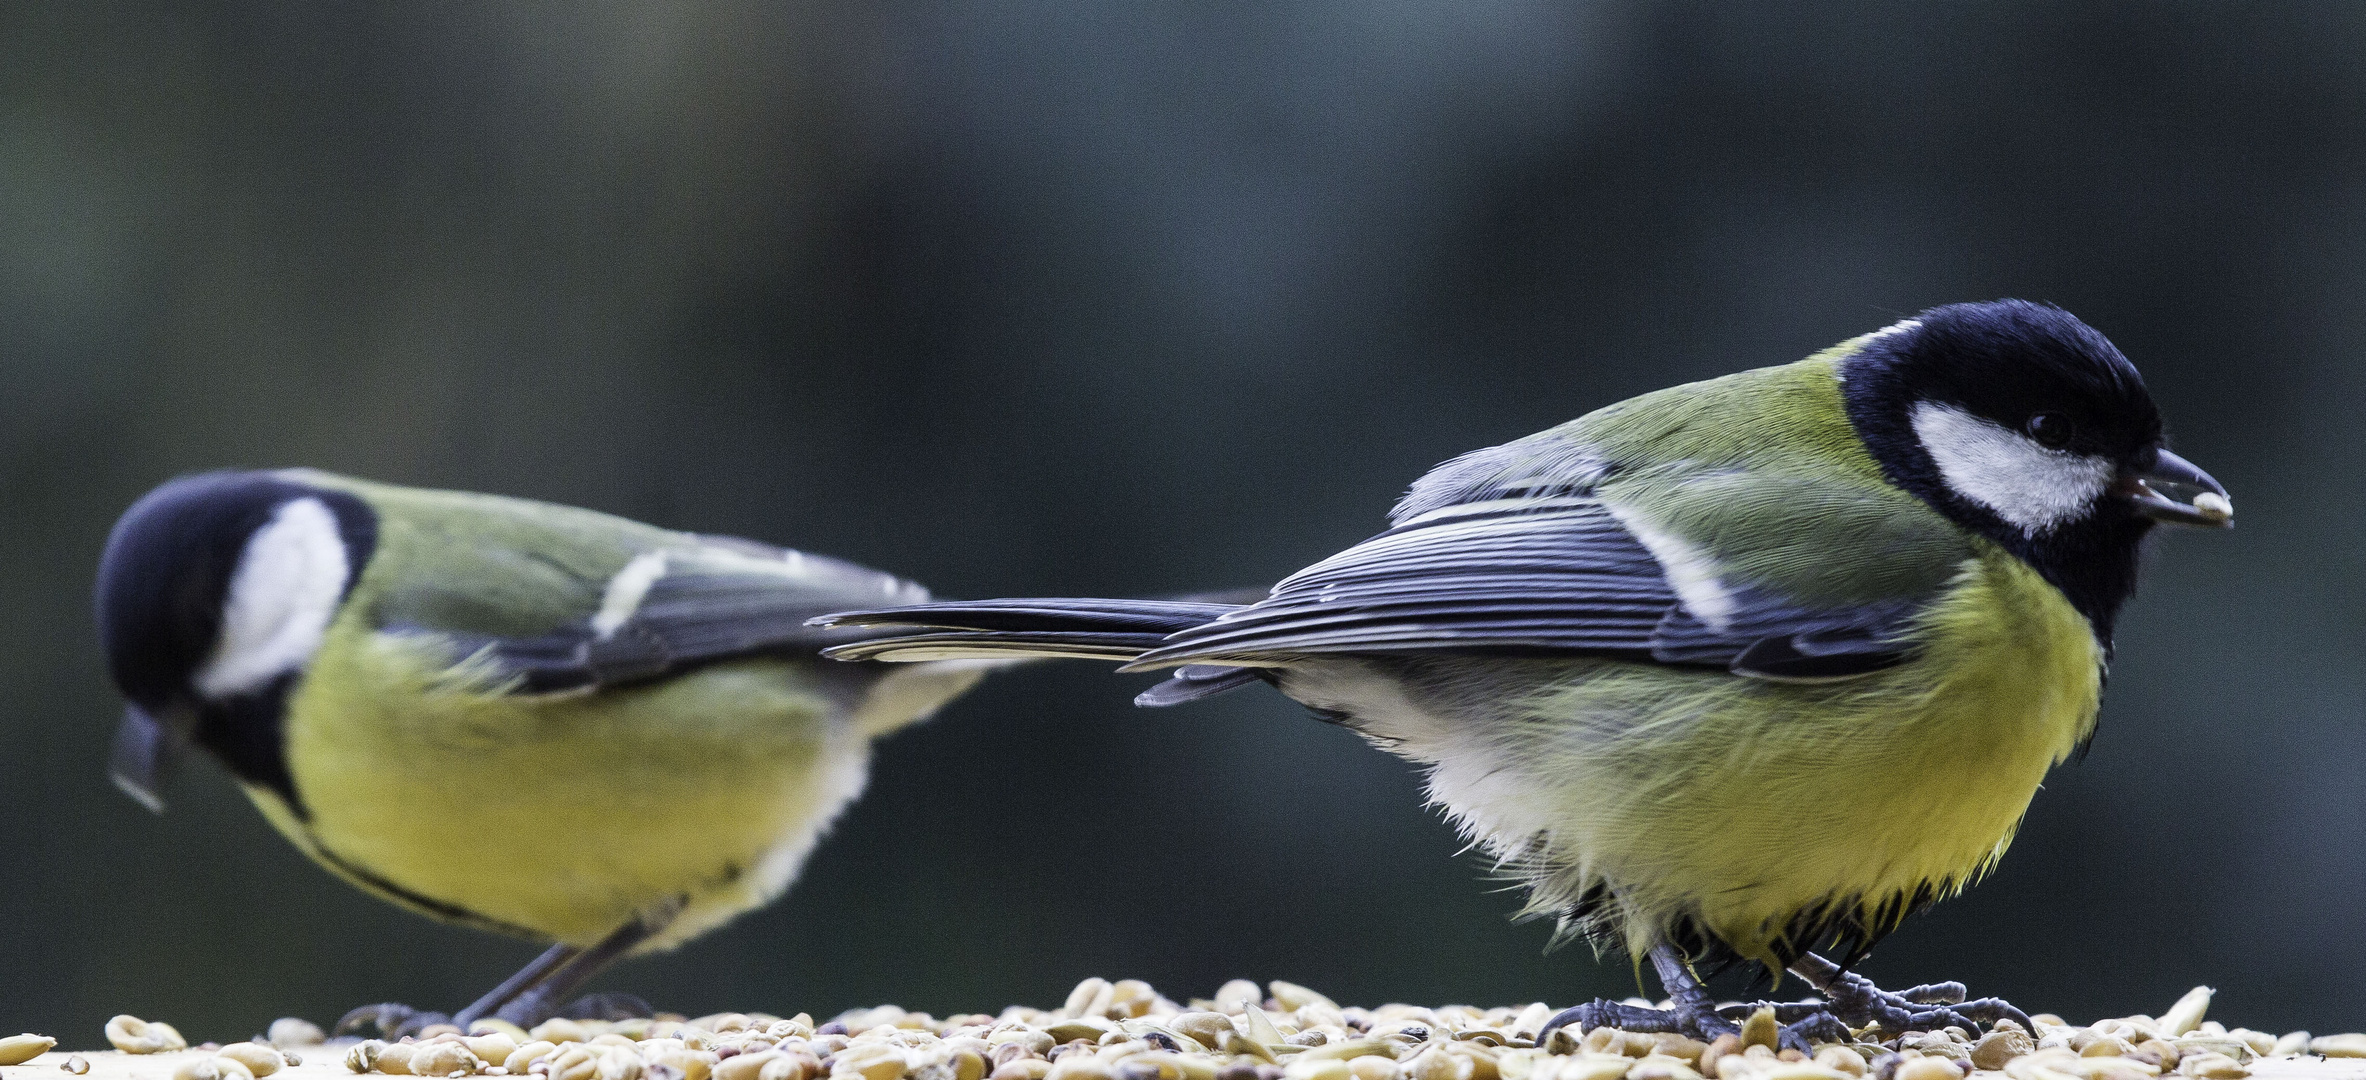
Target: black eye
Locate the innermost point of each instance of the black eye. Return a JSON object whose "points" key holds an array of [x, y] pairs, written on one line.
{"points": [[2051, 430]]}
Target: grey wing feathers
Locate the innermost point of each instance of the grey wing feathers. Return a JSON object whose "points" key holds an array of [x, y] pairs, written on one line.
{"points": [[1554, 574], [720, 598], [1561, 575], [1087, 629]]}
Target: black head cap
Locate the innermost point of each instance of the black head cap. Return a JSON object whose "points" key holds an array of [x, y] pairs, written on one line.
{"points": [[163, 584], [2022, 424]]}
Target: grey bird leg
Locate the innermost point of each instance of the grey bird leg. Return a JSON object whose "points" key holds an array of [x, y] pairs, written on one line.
{"points": [[1694, 1013], [532, 995], [539, 999], [1930, 1007], [527, 978], [395, 1020]]}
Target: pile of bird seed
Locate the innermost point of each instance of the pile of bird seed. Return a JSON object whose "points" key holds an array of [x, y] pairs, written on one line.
{"points": [[1128, 1031]]}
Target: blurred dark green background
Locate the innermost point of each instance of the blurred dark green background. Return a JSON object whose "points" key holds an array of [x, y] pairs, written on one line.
{"points": [[1058, 297]]}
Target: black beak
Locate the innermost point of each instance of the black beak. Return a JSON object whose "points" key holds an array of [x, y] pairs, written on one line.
{"points": [[2154, 490], [145, 750]]}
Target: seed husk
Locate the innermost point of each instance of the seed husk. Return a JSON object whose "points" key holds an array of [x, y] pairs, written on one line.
{"points": [[1090, 998], [1842, 1059], [616, 1063], [873, 1061], [2261, 1043], [1260, 1027], [743, 1066], [1069, 1067], [574, 1061], [1129, 998], [1237, 995], [492, 1047], [1205, 1028], [2346, 1045], [1346, 1050], [690, 1064], [18, 1049], [259, 1059], [76, 1064], [1799, 1070], [2187, 1014], [1531, 1020], [1082, 1027], [2106, 1046], [1761, 1029], [133, 1035], [1663, 1067], [1926, 1068], [1592, 1067], [362, 1056], [1292, 997], [1303, 1068], [1437, 1063], [2213, 1067], [801, 1065], [395, 1059], [443, 1058]]}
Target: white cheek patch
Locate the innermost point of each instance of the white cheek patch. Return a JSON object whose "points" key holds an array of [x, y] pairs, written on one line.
{"points": [[281, 599], [2024, 483]]}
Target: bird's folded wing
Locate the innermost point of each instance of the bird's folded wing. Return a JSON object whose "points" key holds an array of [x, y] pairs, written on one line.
{"points": [[677, 607], [1562, 574]]}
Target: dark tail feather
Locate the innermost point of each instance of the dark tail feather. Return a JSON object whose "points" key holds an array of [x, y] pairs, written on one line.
{"points": [[1192, 682], [1085, 629]]}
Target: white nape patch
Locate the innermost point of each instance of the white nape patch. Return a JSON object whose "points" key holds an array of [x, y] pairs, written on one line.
{"points": [[2024, 483], [1691, 571], [1899, 327], [625, 592], [281, 599]]}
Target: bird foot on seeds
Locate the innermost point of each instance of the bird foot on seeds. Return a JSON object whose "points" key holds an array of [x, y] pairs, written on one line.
{"points": [[1818, 1027], [1702, 1024], [392, 1019], [1803, 1023], [1930, 1007]]}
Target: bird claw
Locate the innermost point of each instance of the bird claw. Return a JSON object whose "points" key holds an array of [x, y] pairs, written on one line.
{"points": [[1821, 1026], [1785, 1011], [1944, 993], [1805, 1023], [392, 1019], [1928, 1007], [1702, 1024]]}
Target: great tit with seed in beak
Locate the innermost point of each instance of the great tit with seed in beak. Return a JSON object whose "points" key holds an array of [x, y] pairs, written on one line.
{"points": [[532, 719], [1737, 670]]}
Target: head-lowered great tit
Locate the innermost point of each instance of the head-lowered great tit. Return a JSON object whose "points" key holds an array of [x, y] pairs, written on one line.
{"points": [[1734, 670], [528, 718]]}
